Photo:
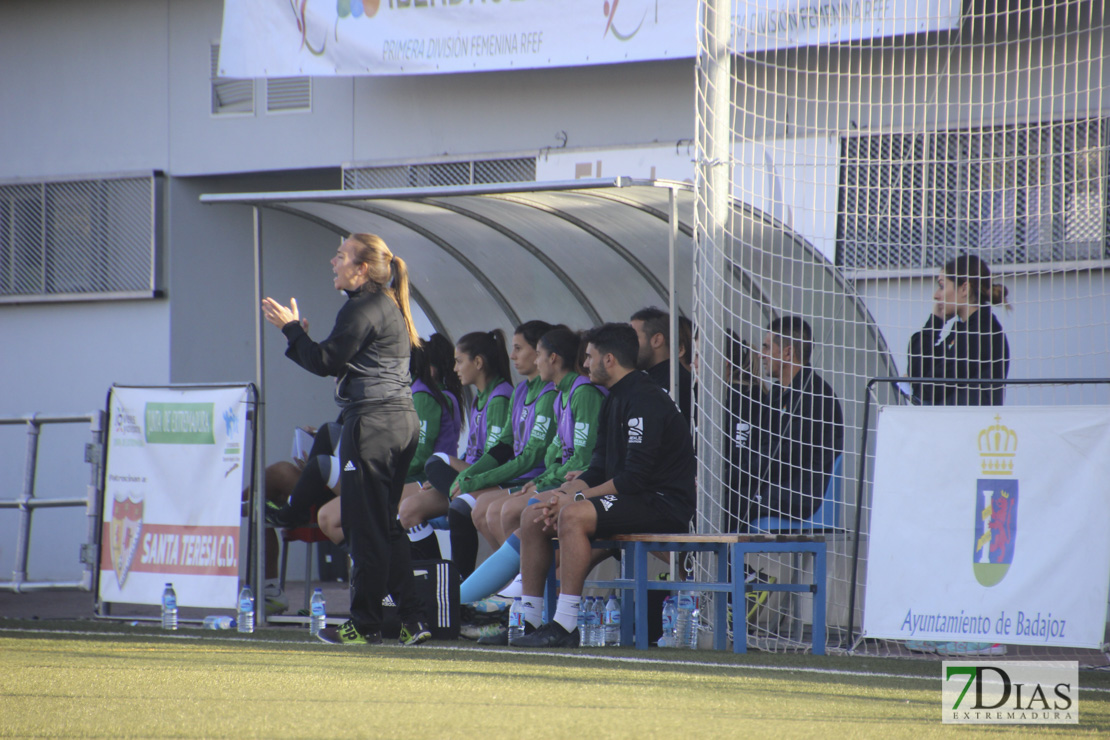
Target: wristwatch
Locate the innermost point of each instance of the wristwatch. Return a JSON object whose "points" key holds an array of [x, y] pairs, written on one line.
{"points": [[579, 496]]}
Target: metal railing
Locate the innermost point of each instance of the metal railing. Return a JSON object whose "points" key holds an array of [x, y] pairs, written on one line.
{"points": [[26, 504]]}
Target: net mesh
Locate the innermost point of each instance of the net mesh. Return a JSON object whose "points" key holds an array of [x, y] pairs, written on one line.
{"points": [[845, 153]]}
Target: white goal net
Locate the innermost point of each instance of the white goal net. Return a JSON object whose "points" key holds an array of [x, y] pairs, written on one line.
{"points": [[847, 150]]}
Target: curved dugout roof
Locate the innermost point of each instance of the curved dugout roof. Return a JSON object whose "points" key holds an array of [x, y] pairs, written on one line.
{"points": [[588, 251]]}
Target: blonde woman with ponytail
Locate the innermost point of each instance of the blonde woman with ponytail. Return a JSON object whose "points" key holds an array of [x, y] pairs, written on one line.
{"points": [[368, 353]]}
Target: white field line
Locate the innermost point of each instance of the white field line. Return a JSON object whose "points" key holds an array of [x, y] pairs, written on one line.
{"points": [[470, 650]]}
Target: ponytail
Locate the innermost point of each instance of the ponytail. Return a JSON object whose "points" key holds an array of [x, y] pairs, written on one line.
{"points": [[998, 294], [401, 297], [387, 272], [970, 269]]}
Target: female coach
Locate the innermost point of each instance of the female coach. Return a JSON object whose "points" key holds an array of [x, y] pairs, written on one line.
{"points": [[368, 353]]}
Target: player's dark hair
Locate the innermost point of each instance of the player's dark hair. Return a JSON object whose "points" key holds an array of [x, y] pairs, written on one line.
{"points": [[970, 269], [490, 346], [739, 359], [656, 321], [619, 340], [533, 330], [794, 332], [685, 340], [434, 363], [564, 343]]}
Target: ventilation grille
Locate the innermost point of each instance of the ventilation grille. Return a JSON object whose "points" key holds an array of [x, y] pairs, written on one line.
{"points": [[229, 95], [288, 94], [1021, 194], [77, 238], [520, 169]]}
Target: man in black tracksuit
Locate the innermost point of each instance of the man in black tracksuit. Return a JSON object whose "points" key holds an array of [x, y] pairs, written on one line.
{"points": [[640, 480], [804, 429], [653, 332]]}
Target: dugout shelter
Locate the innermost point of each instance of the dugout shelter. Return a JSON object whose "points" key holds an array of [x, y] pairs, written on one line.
{"points": [[579, 252]]}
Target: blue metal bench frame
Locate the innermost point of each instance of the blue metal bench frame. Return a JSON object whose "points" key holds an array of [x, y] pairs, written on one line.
{"points": [[634, 584]]}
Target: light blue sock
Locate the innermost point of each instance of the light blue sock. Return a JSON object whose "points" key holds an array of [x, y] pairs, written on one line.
{"points": [[498, 569]]}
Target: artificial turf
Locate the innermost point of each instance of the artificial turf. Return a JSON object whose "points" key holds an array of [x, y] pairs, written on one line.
{"points": [[81, 680]]}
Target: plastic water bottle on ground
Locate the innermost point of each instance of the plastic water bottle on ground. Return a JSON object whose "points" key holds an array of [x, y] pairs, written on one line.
{"points": [[169, 608], [583, 620], [318, 613], [686, 628], [246, 610], [670, 610], [612, 621], [516, 619], [593, 622], [218, 622]]}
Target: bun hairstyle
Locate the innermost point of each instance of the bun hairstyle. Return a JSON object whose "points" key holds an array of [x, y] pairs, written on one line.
{"points": [[982, 289], [490, 346], [564, 343], [388, 273]]}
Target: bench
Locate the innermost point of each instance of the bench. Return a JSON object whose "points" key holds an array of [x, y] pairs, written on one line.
{"points": [[634, 584]]}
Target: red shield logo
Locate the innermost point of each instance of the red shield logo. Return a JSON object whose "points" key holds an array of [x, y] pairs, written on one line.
{"points": [[123, 533]]}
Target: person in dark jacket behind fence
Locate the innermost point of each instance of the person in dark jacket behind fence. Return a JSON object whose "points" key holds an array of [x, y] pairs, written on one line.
{"points": [[804, 429], [962, 339]]}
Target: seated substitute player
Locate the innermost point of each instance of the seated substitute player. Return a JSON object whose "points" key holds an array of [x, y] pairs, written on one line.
{"points": [[577, 408], [518, 455], [481, 360], [640, 479], [653, 333], [804, 433]]}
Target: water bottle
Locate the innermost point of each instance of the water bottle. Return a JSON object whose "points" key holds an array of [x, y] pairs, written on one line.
{"points": [[583, 620], [593, 622], [686, 626], [516, 619], [317, 610], [670, 609], [169, 608], [695, 622], [246, 610], [218, 622], [612, 622]]}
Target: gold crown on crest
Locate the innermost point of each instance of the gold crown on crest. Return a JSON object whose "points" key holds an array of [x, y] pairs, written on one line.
{"points": [[997, 448]]}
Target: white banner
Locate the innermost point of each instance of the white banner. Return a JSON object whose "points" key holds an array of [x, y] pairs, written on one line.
{"points": [[173, 486], [990, 525], [765, 25], [276, 38]]}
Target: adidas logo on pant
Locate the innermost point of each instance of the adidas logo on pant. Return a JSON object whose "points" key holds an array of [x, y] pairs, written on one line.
{"points": [[349, 467]]}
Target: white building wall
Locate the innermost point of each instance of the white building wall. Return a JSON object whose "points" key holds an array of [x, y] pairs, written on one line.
{"points": [[85, 87], [61, 359]]}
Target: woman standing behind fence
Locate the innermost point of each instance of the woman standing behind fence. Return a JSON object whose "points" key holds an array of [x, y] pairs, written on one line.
{"points": [[973, 348], [368, 352]]}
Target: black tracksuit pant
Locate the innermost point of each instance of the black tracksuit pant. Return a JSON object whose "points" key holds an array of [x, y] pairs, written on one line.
{"points": [[377, 445]]}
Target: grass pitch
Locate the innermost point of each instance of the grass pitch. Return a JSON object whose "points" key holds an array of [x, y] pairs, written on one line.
{"points": [[85, 680]]}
